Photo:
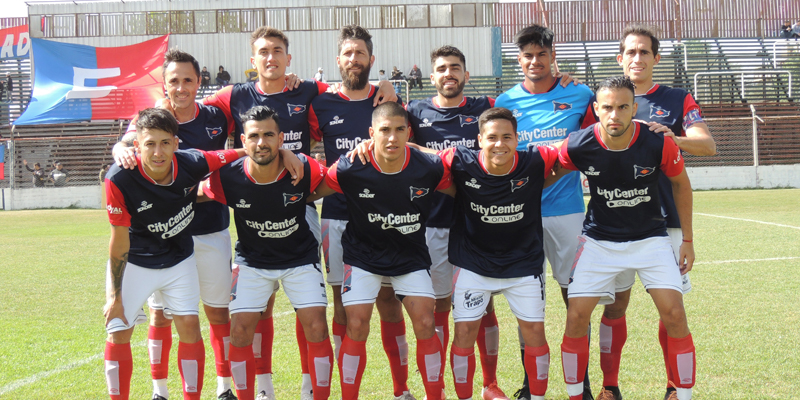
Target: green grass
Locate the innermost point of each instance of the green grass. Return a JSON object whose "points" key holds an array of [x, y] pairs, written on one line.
{"points": [[743, 314]]}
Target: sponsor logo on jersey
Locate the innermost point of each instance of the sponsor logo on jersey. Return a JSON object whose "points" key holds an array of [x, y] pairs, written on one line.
{"points": [[418, 192], [222, 158], [296, 109], [366, 194], [336, 120], [405, 223], [591, 172], [516, 113], [145, 206], [538, 135], [187, 191], [113, 210], [518, 183], [291, 198], [624, 198], [446, 144], [473, 300], [348, 144], [658, 112], [678, 159], [639, 172], [213, 132], [292, 146], [292, 136], [174, 225], [473, 183], [274, 230], [426, 124], [467, 119], [499, 214], [561, 106], [242, 204]]}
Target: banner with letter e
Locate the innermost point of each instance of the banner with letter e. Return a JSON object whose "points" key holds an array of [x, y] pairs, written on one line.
{"points": [[73, 82]]}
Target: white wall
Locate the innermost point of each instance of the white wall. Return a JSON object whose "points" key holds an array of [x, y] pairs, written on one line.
{"points": [[51, 197]]}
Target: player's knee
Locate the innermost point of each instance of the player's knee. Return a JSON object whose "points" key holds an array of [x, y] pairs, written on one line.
{"points": [[217, 316], [240, 336], [614, 312], [357, 328], [157, 318]]}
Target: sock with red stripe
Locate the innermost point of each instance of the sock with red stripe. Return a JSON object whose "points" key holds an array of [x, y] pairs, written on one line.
{"points": [[338, 331], [429, 362], [352, 362], [574, 359], [302, 345], [462, 362], [393, 336], [320, 356], [488, 344], [262, 351], [159, 343], [191, 364], [662, 339], [220, 337], [682, 361], [243, 369], [119, 369], [442, 322], [537, 365], [613, 335]]}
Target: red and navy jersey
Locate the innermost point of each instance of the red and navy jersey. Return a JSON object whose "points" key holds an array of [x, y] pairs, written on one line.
{"points": [[623, 184], [292, 107], [440, 128], [158, 215], [499, 233], [676, 109], [385, 232], [341, 124], [270, 217]]}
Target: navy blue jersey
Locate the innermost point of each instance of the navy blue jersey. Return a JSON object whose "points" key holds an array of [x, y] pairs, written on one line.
{"points": [[440, 128], [624, 204], [341, 124], [270, 217], [499, 233], [385, 232], [158, 215], [292, 107]]}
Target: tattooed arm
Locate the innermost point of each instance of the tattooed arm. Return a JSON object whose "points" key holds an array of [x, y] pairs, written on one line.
{"points": [[118, 258]]}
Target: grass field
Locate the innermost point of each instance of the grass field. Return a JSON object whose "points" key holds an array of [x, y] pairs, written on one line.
{"points": [[743, 313]]}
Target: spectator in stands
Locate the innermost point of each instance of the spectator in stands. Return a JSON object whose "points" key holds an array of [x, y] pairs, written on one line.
{"points": [[2, 89], [320, 159], [103, 172], [38, 173], [786, 30], [415, 77], [795, 34], [397, 75], [10, 83], [223, 77], [320, 76], [205, 77], [382, 76], [59, 176]]}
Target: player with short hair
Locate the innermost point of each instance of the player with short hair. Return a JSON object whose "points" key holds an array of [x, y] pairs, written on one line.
{"points": [[341, 121], [547, 113], [274, 243], [151, 250], [624, 231], [675, 108], [388, 202]]}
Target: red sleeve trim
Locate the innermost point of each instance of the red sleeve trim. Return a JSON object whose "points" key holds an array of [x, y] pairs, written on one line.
{"points": [[550, 156], [671, 160], [491, 101], [222, 100], [321, 87], [313, 124], [447, 156], [563, 156], [317, 172], [589, 118], [212, 187], [118, 214], [447, 180], [216, 159], [331, 179]]}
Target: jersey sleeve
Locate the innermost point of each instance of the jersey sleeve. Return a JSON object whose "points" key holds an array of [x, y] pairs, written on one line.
{"points": [[446, 180], [216, 159], [589, 118], [321, 87], [447, 156], [491, 101], [313, 124], [691, 112], [222, 100], [671, 160], [331, 179], [563, 156], [212, 187], [550, 156], [118, 214], [317, 172]]}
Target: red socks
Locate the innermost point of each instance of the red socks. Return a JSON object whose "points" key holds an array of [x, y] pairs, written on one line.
{"points": [[220, 337], [159, 343], [262, 346], [574, 359], [429, 362], [301, 344], [442, 322], [662, 338], [462, 362], [613, 334], [352, 362], [191, 364], [320, 355], [537, 365], [119, 369], [682, 361], [488, 343], [393, 336], [243, 369], [338, 331]]}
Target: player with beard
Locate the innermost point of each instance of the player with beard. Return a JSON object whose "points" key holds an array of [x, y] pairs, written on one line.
{"points": [[341, 121]]}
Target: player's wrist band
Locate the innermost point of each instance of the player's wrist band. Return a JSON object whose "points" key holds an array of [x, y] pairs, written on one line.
{"points": [[687, 241]]}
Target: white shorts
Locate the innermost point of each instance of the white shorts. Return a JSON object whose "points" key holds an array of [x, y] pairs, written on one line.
{"points": [[178, 286], [560, 242], [332, 230], [213, 256], [362, 287], [253, 287], [676, 236], [441, 269], [525, 295], [603, 267], [312, 218]]}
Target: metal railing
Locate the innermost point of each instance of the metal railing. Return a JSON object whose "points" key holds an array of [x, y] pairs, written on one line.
{"points": [[742, 75]]}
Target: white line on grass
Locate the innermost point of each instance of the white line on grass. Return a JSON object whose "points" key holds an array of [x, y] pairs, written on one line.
{"points": [[743, 261], [749, 220]]}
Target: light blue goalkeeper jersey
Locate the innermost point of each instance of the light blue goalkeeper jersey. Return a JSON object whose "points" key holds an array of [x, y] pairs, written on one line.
{"points": [[545, 118]]}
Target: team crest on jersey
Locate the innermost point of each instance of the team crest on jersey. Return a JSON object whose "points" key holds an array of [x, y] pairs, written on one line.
{"points": [[467, 119], [418, 192], [213, 132], [473, 183], [518, 183], [561, 106], [189, 190], [658, 112], [291, 198], [591, 172], [473, 300], [145, 206], [366, 194], [639, 172], [426, 124], [336, 120], [242, 204], [296, 109]]}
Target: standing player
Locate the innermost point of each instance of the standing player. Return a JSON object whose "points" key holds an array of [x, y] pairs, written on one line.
{"points": [[151, 250], [546, 113], [676, 109], [274, 243], [388, 202], [341, 120], [625, 232]]}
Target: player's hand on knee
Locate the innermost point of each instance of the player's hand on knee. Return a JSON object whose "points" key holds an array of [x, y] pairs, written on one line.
{"points": [[686, 259], [125, 157], [293, 81], [362, 150], [114, 309], [386, 93]]}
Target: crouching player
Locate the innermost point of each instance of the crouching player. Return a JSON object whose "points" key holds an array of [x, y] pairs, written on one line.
{"points": [[274, 244], [151, 250]]}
